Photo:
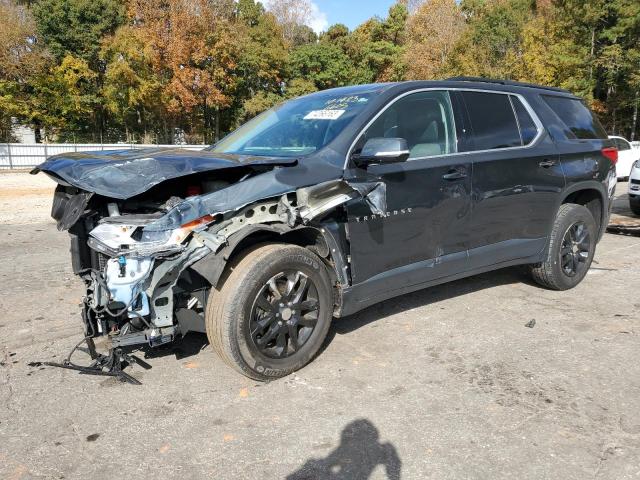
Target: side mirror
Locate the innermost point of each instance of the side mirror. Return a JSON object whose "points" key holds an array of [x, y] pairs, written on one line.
{"points": [[382, 150]]}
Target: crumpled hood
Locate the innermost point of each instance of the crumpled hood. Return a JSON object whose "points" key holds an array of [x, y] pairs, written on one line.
{"points": [[123, 174]]}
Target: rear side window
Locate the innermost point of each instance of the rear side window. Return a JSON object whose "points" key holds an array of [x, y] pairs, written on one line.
{"points": [[621, 144], [528, 129], [493, 121], [581, 123]]}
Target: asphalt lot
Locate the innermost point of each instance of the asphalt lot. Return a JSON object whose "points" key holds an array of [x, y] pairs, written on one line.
{"points": [[446, 383]]}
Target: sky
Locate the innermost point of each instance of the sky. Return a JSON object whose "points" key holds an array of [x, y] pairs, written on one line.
{"points": [[350, 12]]}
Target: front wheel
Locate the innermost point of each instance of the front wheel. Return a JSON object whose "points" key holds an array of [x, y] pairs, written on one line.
{"points": [[272, 312], [572, 246]]}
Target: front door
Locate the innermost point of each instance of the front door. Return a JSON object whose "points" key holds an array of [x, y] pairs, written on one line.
{"points": [[422, 235]]}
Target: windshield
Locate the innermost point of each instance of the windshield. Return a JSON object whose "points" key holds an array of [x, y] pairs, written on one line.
{"points": [[296, 128]]}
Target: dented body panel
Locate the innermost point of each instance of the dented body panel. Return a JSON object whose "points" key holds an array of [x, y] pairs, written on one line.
{"points": [[127, 173]]}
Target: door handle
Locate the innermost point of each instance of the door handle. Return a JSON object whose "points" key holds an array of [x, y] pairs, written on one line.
{"points": [[454, 175], [548, 163]]}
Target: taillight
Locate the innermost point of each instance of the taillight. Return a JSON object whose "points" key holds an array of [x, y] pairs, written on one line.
{"points": [[611, 153]]}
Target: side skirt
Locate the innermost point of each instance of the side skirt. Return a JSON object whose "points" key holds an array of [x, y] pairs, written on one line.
{"points": [[429, 273]]}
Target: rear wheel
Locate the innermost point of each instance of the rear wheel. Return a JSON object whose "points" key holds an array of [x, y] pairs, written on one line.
{"points": [[572, 247], [272, 313]]}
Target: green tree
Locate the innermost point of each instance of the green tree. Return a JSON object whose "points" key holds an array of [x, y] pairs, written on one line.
{"points": [[264, 100], [492, 37], [325, 64], [335, 33], [249, 12], [263, 57], [593, 47], [302, 35], [393, 28], [132, 92], [64, 100], [77, 27]]}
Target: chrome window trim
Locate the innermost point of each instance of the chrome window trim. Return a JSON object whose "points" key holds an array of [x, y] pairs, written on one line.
{"points": [[392, 154], [524, 102]]}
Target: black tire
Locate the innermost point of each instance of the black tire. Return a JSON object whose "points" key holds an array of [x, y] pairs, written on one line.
{"points": [[568, 261], [634, 205], [235, 311]]}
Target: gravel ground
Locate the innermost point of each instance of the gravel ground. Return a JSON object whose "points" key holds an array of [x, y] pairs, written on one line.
{"points": [[25, 199], [446, 383]]}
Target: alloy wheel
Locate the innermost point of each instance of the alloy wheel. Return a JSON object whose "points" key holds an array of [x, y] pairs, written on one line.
{"points": [[284, 314], [575, 250]]}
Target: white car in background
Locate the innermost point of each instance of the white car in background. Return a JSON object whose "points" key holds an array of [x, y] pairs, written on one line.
{"points": [[634, 188], [627, 156]]}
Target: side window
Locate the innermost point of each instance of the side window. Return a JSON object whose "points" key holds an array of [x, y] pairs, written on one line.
{"points": [[528, 129], [581, 123], [622, 144], [424, 120], [493, 120]]}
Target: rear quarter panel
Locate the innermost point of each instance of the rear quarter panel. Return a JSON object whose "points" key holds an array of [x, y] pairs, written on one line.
{"points": [[582, 161]]}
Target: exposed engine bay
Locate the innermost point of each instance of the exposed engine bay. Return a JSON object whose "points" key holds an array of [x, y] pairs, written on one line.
{"points": [[150, 255]]}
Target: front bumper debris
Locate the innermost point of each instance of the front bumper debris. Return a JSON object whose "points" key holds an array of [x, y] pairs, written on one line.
{"points": [[110, 365]]}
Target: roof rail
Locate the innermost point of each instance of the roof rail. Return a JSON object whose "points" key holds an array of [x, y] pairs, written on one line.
{"points": [[506, 82]]}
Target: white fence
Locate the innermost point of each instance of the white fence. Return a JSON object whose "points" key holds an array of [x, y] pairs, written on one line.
{"points": [[23, 155]]}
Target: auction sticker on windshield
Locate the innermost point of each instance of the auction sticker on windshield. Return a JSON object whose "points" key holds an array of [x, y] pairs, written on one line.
{"points": [[324, 115]]}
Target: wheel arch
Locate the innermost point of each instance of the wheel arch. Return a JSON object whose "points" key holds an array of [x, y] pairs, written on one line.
{"points": [[593, 196], [313, 238]]}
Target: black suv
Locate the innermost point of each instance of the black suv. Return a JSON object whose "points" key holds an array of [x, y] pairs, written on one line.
{"points": [[327, 204]]}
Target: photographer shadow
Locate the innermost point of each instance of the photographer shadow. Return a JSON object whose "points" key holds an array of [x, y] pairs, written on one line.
{"points": [[358, 455]]}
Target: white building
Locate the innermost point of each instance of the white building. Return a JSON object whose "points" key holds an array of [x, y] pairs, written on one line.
{"points": [[23, 134]]}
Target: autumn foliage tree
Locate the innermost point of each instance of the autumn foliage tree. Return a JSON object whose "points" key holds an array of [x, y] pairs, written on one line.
{"points": [[432, 32], [191, 52], [192, 70], [22, 59]]}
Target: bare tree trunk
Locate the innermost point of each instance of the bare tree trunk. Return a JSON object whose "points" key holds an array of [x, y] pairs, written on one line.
{"points": [[615, 130], [37, 130], [206, 131], [635, 118], [217, 124], [593, 51], [165, 132]]}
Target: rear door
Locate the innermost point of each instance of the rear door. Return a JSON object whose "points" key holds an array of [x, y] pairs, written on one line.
{"points": [[517, 178], [581, 139], [422, 235]]}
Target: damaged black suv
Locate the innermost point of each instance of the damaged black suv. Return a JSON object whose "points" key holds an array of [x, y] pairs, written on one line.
{"points": [[330, 203]]}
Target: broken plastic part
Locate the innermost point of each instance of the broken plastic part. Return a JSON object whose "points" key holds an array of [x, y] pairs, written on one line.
{"points": [[159, 285], [316, 200], [119, 239]]}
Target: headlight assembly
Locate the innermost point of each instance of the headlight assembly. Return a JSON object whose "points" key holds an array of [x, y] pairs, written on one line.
{"points": [[119, 239]]}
